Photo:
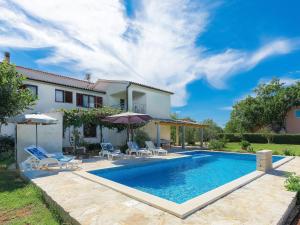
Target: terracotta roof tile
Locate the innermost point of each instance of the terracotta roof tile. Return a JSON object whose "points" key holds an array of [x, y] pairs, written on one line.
{"points": [[57, 79]]}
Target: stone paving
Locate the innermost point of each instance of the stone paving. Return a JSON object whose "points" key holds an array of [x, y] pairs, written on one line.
{"points": [[263, 201]]}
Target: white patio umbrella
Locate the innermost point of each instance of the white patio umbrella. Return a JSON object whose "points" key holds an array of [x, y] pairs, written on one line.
{"points": [[35, 119]]}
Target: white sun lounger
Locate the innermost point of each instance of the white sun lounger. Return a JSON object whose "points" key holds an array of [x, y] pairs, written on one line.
{"points": [[134, 148], [40, 159], [107, 149], [155, 150]]}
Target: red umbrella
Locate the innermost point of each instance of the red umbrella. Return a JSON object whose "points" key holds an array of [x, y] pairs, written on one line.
{"points": [[128, 118]]}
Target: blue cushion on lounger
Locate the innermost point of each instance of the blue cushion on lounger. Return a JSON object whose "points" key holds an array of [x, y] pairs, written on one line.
{"points": [[38, 154]]}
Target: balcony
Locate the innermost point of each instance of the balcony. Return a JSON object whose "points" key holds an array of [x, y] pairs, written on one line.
{"points": [[119, 106], [139, 108]]}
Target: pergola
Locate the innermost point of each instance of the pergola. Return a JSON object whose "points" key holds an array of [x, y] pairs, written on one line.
{"points": [[178, 124]]}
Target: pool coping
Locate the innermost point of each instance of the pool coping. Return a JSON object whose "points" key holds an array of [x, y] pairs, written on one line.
{"points": [[184, 209]]}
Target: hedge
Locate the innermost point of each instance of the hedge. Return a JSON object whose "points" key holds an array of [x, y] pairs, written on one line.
{"points": [[259, 138]]}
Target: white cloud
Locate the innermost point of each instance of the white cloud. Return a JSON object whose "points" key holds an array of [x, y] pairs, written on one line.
{"points": [[226, 108], [155, 47]]}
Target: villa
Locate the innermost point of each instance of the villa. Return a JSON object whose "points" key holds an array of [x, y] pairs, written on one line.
{"points": [[56, 92]]}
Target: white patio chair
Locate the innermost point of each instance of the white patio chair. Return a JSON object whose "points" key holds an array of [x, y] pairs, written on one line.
{"points": [[134, 148], [155, 150], [107, 149]]}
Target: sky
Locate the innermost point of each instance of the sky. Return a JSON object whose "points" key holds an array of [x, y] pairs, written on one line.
{"points": [[210, 53]]}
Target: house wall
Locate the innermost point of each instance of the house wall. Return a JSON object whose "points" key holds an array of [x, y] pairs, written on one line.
{"points": [[109, 135], [49, 136], [114, 91], [46, 103], [151, 130], [292, 123], [158, 103], [46, 97]]}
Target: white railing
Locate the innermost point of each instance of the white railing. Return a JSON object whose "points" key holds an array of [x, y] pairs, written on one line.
{"points": [[139, 108], [119, 106]]}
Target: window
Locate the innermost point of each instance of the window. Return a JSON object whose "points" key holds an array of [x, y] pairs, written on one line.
{"points": [[88, 101], [91, 101], [63, 96], [68, 97], [89, 130], [85, 102], [122, 103], [59, 96], [32, 88], [297, 113], [99, 102]]}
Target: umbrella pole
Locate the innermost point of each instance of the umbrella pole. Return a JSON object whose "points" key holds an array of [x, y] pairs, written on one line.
{"points": [[36, 135], [128, 132]]}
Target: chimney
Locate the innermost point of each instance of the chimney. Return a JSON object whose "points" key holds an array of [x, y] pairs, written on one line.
{"points": [[7, 57], [88, 77]]}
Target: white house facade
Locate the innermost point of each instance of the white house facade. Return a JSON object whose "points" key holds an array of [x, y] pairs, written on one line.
{"points": [[56, 92]]}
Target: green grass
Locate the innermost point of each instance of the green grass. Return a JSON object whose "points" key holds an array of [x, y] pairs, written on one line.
{"points": [[22, 203], [235, 147]]}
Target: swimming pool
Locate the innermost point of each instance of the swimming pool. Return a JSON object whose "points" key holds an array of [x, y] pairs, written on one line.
{"points": [[179, 180]]}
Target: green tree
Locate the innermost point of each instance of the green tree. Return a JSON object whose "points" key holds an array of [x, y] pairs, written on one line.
{"points": [[14, 99], [267, 133], [268, 107], [212, 131]]}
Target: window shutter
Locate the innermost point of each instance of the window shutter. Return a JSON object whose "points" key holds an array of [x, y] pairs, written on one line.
{"points": [[79, 99], [68, 97], [99, 102]]}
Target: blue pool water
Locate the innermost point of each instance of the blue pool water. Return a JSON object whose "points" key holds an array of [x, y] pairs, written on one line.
{"points": [[179, 180]]}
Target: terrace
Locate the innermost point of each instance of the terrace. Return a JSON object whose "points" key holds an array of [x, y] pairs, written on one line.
{"points": [[87, 201]]}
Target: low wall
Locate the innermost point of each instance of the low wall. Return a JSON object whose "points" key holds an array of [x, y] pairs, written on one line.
{"points": [[50, 137]]}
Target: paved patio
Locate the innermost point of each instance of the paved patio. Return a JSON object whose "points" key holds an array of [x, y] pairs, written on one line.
{"points": [[263, 201]]}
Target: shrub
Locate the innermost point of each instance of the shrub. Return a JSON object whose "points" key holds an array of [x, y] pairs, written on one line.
{"points": [[7, 148], [140, 137], [275, 152], [92, 146], [250, 149], [288, 152], [231, 137], [245, 144], [260, 138], [267, 133], [292, 183], [216, 144], [123, 148], [7, 142]]}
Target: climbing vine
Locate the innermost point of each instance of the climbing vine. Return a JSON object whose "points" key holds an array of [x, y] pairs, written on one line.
{"points": [[77, 117]]}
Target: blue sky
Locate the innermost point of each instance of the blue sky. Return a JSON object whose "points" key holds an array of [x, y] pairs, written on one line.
{"points": [[210, 53]]}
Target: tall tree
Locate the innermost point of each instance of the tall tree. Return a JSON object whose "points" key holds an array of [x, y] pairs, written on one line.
{"points": [[14, 99], [212, 131], [268, 107]]}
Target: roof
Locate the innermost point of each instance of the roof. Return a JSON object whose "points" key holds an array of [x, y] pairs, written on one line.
{"points": [[135, 83], [38, 75], [174, 122], [154, 88]]}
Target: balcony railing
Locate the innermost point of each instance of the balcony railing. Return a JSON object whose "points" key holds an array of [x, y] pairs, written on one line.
{"points": [[139, 108], [119, 106], [136, 107]]}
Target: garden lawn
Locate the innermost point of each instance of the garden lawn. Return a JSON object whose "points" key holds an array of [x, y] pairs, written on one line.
{"points": [[277, 148], [21, 202]]}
